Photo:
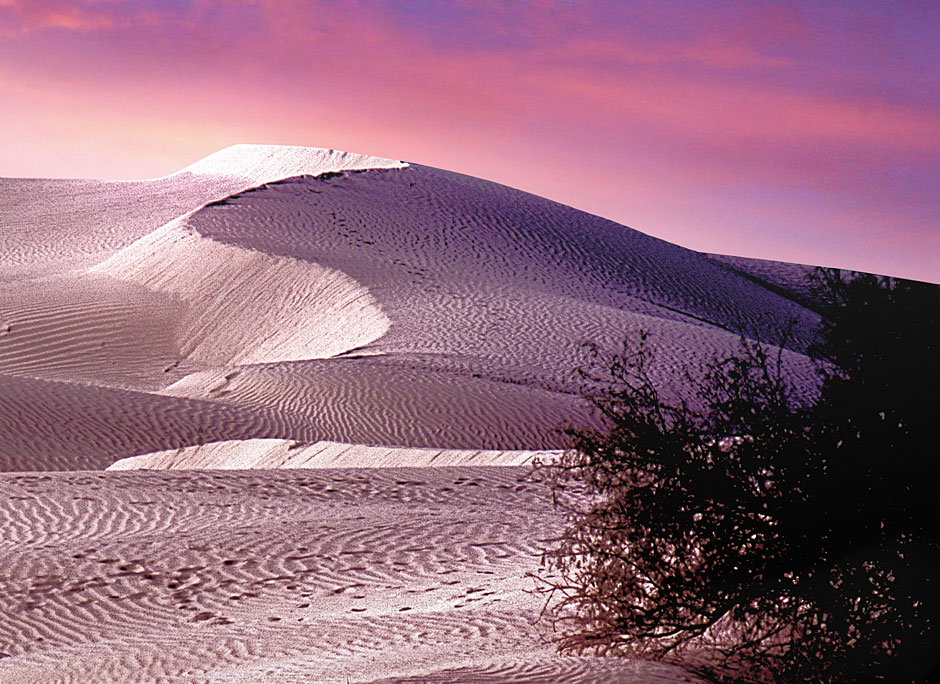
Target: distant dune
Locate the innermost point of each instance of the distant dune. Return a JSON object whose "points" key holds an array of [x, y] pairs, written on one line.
{"points": [[312, 296], [364, 340]]}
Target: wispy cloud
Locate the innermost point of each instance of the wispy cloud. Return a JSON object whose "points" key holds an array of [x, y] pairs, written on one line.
{"points": [[23, 16]]}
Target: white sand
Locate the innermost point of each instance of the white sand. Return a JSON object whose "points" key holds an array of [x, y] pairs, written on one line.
{"points": [[242, 306], [286, 308], [380, 575], [258, 164], [280, 453], [376, 304]]}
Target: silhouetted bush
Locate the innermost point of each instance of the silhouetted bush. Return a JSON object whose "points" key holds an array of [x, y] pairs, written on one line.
{"points": [[757, 537]]}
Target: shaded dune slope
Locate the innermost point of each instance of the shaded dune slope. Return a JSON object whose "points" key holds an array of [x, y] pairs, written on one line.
{"points": [[69, 426], [430, 229], [88, 329], [66, 224], [346, 300]]}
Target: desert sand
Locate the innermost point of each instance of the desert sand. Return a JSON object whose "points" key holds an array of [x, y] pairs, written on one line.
{"points": [[378, 575], [269, 419]]}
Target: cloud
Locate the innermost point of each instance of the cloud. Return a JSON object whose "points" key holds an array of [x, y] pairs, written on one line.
{"points": [[36, 15], [616, 53], [727, 110]]}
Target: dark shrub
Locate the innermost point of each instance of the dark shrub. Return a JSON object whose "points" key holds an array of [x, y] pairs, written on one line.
{"points": [[756, 537]]}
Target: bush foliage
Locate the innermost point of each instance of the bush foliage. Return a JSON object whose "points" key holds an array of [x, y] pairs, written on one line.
{"points": [[758, 537]]}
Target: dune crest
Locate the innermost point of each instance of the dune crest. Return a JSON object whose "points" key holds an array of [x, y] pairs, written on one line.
{"points": [[281, 453], [244, 306], [257, 164]]}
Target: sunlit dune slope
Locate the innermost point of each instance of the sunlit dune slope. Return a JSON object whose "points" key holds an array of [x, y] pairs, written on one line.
{"points": [[310, 296], [279, 453], [244, 306]]}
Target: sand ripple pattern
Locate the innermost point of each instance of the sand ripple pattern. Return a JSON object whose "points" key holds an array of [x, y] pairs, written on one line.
{"points": [[396, 402], [243, 306], [418, 231], [50, 425], [93, 330], [279, 576]]}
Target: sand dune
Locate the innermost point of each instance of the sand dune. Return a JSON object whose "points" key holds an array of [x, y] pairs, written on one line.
{"points": [[313, 377], [319, 296]]}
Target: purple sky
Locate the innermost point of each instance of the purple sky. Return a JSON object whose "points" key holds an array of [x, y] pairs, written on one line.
{"points": [[800, 131]]}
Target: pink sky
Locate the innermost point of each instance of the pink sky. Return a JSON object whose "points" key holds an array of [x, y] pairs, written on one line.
{"points": [[777, 130]]}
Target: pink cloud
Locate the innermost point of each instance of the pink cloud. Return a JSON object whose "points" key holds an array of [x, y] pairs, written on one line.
{"points": [[33, 15], [740, 113]]}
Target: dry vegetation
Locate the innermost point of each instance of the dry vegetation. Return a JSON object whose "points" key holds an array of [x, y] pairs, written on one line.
{"points": [[755, 537]]}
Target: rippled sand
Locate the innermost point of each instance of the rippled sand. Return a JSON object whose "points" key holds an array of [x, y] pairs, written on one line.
{"points": [[316, 378]]}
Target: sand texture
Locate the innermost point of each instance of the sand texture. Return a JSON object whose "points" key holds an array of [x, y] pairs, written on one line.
{"points": [[313, 296], [324, 575], [269, 419]]}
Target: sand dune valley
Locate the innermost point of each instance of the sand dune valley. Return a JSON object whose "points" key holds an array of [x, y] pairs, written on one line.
{"points": [[269, 419]]}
